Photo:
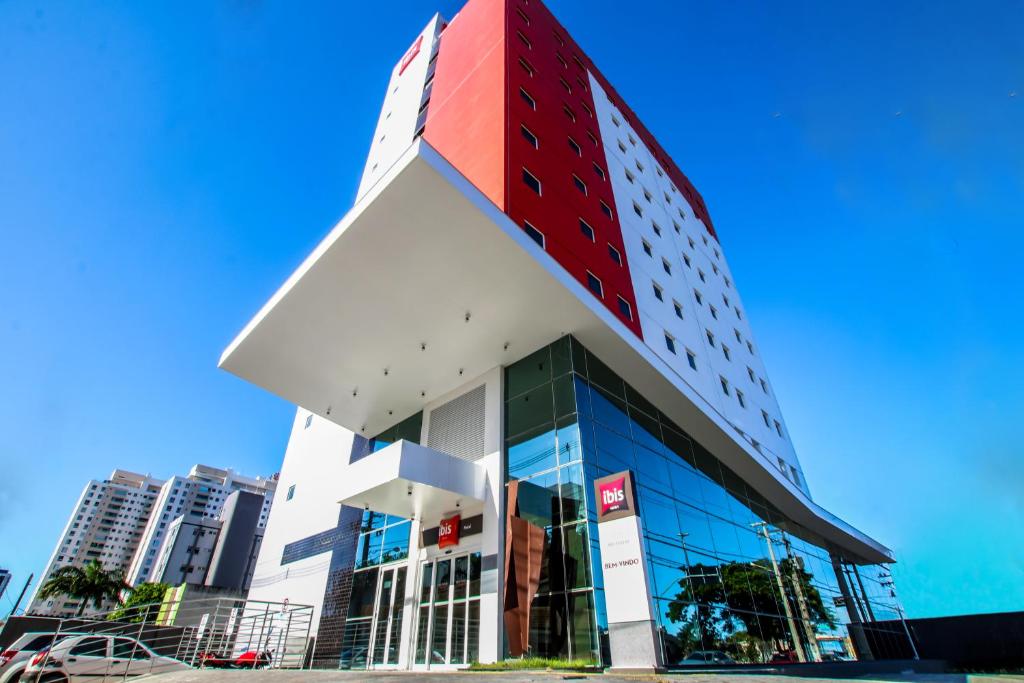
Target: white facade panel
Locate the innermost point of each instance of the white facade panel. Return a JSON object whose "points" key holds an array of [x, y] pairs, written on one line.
{"points": [[713, 326], [400, 115], [314, 463]]}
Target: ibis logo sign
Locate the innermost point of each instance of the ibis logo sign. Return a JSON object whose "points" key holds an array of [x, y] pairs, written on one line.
{"points": [[615, 496], [448, 532]]}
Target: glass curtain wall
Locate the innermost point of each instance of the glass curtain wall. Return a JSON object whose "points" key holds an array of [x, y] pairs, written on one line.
{"points": [[732, 579], [383, 539]]}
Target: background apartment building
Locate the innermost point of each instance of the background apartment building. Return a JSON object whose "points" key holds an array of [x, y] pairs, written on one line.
{"points": [[122, 522], [198, 497]]}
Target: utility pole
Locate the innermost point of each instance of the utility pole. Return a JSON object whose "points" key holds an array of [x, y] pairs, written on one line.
{"points": [[888, 582], [797, 645], [801, 602], [17, 603]]}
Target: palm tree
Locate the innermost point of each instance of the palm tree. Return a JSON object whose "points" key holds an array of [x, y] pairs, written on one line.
{"points": [[91, 583]]}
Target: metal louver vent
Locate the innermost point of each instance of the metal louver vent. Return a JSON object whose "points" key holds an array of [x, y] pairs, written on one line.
{"points": [[457, 427]]}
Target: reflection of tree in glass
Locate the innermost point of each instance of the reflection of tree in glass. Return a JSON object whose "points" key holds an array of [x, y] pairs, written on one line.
{"points": [[718, 608]]}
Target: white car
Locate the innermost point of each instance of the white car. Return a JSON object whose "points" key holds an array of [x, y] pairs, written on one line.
{"points": [[96, 658], [14, 658]]}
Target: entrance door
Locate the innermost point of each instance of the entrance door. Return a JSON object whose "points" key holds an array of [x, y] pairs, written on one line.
{"points": [[448, 617], [387, 622]]}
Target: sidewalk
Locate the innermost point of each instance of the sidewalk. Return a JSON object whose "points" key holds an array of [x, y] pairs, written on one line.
{"points": [[280, 676]]}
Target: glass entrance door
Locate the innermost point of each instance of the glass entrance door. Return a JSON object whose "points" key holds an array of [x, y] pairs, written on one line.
{"points": [[448, 616], [387, 621]]}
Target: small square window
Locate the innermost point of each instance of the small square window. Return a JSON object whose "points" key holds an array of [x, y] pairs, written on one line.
{"points": [[575, 147], [690, 240], [606, 210], [587, 231], [580, 185], [714, 269], [739, 316], [647, 248], [681, 213], [630, 177], [625, 309], [587, 109], [599, 171], [750, 374], [697, 295], [740, 398], [725, 385], [657, 292], [524, 40], [526, 66], [700, 274], [529, 137], [764, 386], [291, 492], [725, 352], [778, 427], [670, 343], [582, 84], [767, 420], [675, 226], [593, 138], [632, 140], [522, 15], [686, 260], [750, 347], [691, 358], [616, 121], [647, 196], [666, 266], [656, 228], [534, 234], [710, 336], [531, 181], [561, 41], [639, 166], [637, 210], [525, 96], [561, 60], [678, 308], [565, 85], [622, 147], [739, 337], [705, 238], [595, 285], [615, 255], [309, 421], [714, 312], [569, 112], [728, 283], [717, 255]]}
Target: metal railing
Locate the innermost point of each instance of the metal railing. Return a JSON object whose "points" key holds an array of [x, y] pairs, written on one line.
{"points": [[210, 632]]}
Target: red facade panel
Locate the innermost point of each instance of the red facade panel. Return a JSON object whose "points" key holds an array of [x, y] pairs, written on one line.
{"points": [[562, 109], [466, 118]]}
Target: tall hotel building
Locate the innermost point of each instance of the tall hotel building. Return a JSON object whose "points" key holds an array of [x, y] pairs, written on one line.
{"points": [[533, 416]]}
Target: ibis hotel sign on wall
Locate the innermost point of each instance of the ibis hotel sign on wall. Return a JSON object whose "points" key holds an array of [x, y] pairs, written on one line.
{"points": [[448, 531]]}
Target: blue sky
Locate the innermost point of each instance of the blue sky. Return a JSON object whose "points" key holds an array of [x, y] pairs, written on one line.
{"points": [[163, 168]]}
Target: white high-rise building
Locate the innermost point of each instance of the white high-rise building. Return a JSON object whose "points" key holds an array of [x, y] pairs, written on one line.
{"points": [[197, 497], [122, 522], [106, 525], [533, 415]]}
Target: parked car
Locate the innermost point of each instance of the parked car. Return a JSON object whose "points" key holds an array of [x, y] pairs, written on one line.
{"points": [[94, 658], [707, 658], [14, 659]]}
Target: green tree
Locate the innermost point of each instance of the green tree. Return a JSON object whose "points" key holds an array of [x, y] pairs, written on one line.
{"points": [[142, 604], [91, 583], [719, 601]]}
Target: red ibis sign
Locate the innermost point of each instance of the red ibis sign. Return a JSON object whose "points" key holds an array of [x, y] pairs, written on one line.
{"points": [[448, 532]]}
